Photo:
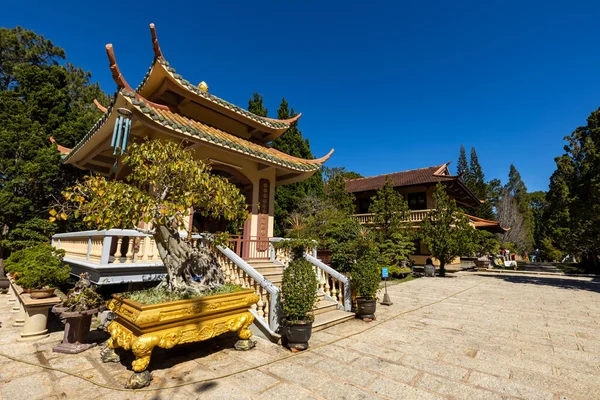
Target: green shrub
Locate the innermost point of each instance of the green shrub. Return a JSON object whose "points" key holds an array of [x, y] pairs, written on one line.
{"points": [[365, 272], [298, 289], [38, 267], [164, 295]]}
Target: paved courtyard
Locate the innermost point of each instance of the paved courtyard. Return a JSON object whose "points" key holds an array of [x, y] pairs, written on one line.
{"points": [[471, 336]]}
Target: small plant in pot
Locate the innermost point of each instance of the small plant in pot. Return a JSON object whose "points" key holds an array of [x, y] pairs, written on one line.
{"points": [[81, 303], [365, 278], [38, 269], [299, 295]]}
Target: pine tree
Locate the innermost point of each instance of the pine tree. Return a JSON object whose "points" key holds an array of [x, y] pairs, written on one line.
{"points": [[462, 167], [479, 187], [573, 216], [255, 105], [289, 197], [446, 230], [392, 233]]}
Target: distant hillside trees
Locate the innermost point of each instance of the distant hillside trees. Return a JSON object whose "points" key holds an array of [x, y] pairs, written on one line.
{"points": [[40, 96]]}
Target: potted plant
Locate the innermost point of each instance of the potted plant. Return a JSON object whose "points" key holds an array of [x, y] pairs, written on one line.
{"points": [[4, 281], [299, 295], [81, 303], [39, 269], [365, 279], [190, 304]]}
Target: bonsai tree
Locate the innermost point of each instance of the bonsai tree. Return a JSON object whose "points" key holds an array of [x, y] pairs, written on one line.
{"points": [[446, 230], [164, 183], [83, 296], [393, 234], [299, 286], [38, 267]]}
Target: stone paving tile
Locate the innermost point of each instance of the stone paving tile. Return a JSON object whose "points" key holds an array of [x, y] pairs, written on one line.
{"points": [[456, 390], [504, 337], [287, 391], [398, 390], [508, 387]]}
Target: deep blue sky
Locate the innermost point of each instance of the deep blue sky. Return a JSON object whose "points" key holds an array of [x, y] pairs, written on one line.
{"points": [[390, 85]]}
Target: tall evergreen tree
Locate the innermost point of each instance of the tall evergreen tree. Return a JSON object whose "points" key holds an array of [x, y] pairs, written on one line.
{"points": [[38, 99], [479, 187], [446, 230], [462, 167], [573, 216], [288, 197], [256, 106], [392, 233]]}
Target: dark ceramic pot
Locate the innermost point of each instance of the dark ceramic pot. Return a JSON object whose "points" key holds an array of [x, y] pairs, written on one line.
{"points": [[4, 283], [365, 308], [295, 336]]}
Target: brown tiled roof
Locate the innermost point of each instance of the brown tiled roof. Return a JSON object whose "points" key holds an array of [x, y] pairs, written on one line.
{"points": [[492, 226], [404, 178]]}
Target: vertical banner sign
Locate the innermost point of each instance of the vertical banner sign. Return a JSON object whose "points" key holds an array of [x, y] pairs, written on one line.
{"points": [[384, 272], [264, 189]]}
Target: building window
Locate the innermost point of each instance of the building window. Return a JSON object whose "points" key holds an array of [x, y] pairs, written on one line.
{"points": [[417, 201], [363, 205], [417, 244]]}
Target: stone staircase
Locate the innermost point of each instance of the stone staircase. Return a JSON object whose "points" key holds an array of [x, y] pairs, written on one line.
{"points": [[326, 310]]}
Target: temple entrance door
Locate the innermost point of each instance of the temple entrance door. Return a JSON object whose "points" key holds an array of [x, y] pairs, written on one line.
{"points": [[201, 223]]}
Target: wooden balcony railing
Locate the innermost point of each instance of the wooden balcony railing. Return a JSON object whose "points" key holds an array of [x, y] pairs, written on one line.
{"points": [[415, 216]]}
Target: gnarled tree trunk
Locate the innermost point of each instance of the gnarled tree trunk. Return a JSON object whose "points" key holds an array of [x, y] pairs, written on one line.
{"points": [[191, 269]]}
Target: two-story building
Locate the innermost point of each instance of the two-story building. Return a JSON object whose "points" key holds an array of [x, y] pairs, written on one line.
{"points": [[417, 187]]}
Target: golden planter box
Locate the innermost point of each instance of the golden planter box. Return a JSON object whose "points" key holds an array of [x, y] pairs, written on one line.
{"points": [[140, 328]]}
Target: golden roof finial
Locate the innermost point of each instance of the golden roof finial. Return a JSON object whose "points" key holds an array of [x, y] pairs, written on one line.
{"points": [[203, 86]]}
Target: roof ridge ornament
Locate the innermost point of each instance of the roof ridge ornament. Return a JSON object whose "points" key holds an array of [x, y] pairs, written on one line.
{"points": [[99, 106], [157, 51], [203, 86], [116, 72]]}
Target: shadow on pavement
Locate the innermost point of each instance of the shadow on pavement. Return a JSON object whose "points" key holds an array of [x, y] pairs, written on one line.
{"points": [[559, 282]]}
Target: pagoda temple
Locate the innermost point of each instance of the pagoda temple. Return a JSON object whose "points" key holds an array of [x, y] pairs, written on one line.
{"points": [[234, 141]]}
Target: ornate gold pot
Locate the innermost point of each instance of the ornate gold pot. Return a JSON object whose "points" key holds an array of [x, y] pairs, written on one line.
{"points": [[140, 328]]}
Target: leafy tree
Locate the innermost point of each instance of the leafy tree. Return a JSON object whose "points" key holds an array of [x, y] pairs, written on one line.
{"points": [[328, 219], [573, 215], [39, 98], [335, 190], [515, 188], [510, 216], [392, 233], [446, 230], [288, 197], [161, 188], [538, 206]]}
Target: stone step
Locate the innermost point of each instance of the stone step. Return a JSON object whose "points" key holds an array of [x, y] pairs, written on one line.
{"points": [[330, 318], [268, 268], [324, 306]]}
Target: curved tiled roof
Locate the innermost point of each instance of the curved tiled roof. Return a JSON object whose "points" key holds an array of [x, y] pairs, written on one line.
{"points": [[403, 178], [215, 136], [268, 122]]}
